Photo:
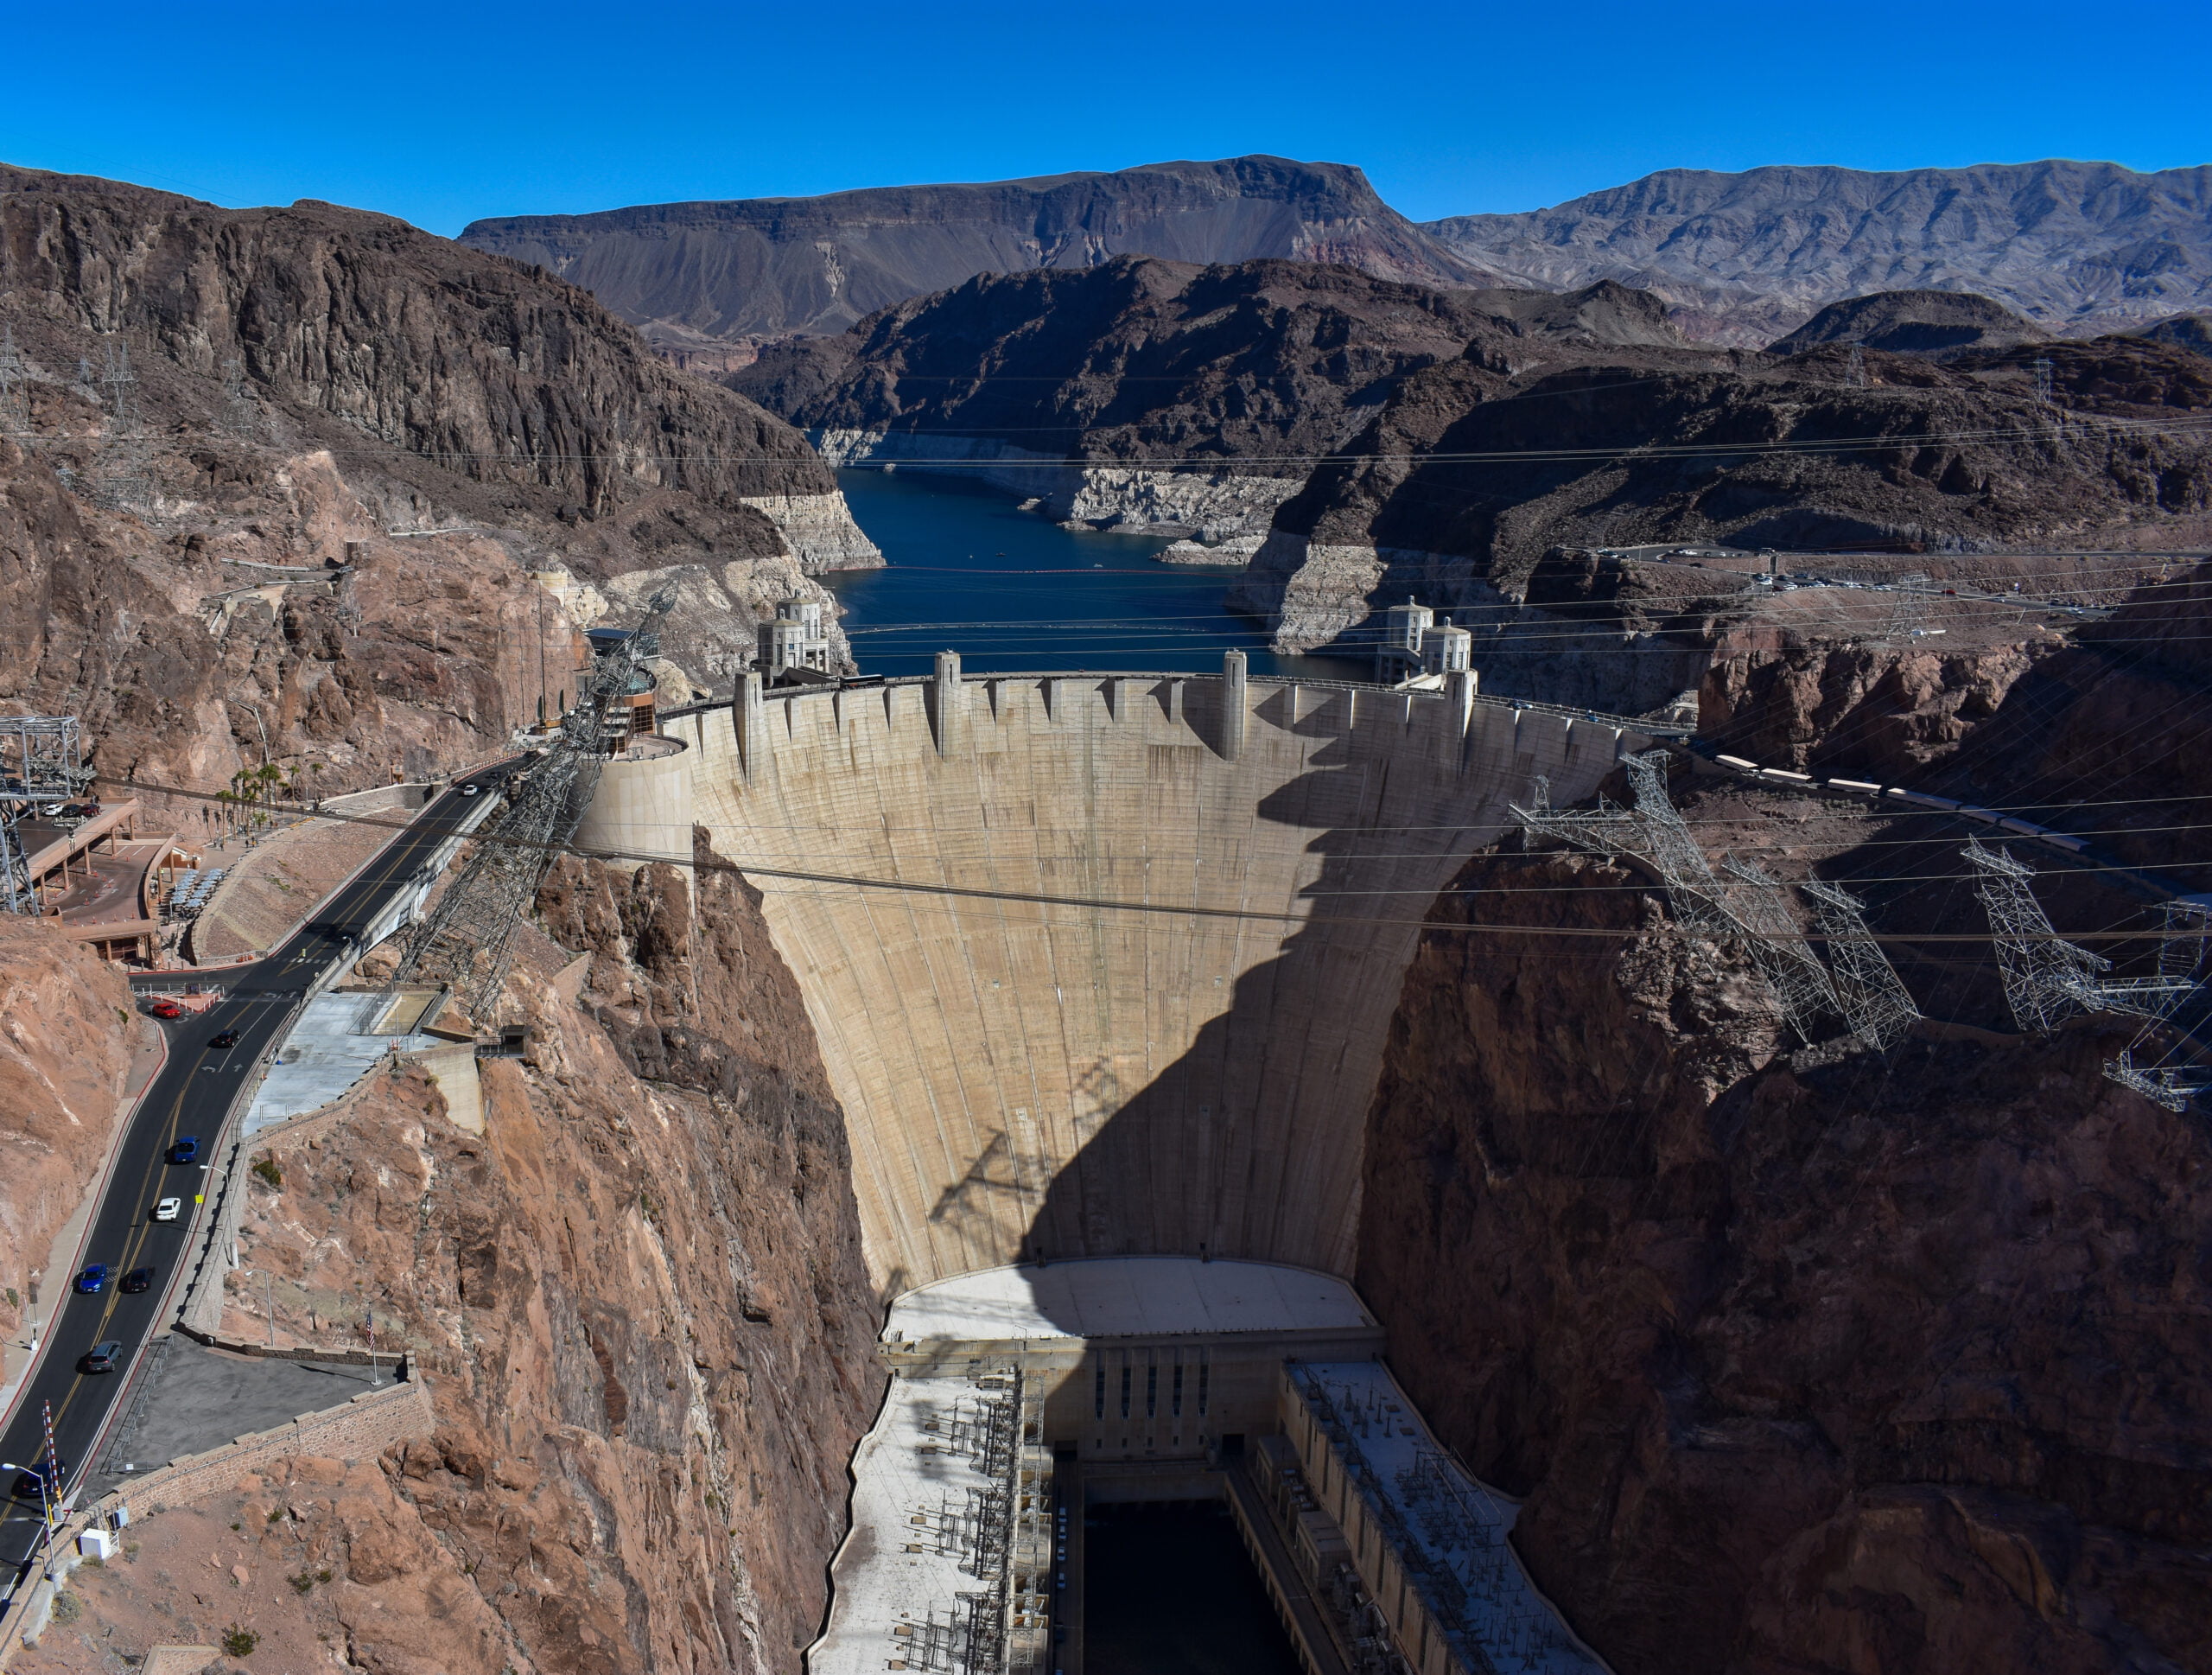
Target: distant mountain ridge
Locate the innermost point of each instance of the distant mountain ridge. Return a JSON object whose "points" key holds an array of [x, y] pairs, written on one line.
{"points": [[696, 278], [2078, 248]]}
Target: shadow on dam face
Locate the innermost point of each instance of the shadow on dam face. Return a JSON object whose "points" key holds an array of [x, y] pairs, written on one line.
{"points": [[1099, 1073]]}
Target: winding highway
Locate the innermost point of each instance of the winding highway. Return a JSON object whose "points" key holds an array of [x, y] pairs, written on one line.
{"points": [[196, 1094]]}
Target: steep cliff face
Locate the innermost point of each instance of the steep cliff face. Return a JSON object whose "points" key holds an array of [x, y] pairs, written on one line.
{"points": [[2079, 247], [708, 281], [1805, 1360], [202, 404], [638, 1300], [504, 377], [64, 1053]]}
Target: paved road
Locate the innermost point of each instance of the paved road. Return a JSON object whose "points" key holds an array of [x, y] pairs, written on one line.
{"points": [[193, 1094]]}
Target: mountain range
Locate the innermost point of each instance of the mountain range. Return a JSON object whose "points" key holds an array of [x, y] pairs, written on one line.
{"points": [[697, 278], [2078, 248]]}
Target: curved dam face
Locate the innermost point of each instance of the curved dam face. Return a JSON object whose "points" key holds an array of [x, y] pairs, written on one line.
{"points": [[1175, 1054]]}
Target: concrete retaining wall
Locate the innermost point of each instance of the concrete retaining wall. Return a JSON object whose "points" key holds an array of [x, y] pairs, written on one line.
{"points": [[1080, 1078]]}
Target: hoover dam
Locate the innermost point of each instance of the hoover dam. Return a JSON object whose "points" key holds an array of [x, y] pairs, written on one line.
{"points": [[1102, 967]]}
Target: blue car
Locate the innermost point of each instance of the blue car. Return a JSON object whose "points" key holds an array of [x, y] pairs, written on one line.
{"points": [[185, 1150], [94, 1278]]}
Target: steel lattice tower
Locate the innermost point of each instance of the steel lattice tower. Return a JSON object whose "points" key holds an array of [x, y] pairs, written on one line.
{"points": [[468, 939], [1747, 907], [1873, 997], [42, 760], [1776, 945]]}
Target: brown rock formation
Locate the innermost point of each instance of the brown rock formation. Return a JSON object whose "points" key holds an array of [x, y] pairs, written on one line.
{"points": [[640, 1304], [1805, 1361], [708, 281], [306, 381], [65, 1050]]}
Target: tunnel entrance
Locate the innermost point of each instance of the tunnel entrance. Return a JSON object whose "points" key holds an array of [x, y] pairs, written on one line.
{"points": [[1170, 1591]]}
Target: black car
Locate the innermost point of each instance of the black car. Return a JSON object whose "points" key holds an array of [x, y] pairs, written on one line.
{"points": [[139, 1279], [101, 1357], [224, 1038], [29, 1483]]}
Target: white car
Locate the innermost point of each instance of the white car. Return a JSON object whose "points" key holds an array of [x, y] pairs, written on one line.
{"points": [[168, 1209]]}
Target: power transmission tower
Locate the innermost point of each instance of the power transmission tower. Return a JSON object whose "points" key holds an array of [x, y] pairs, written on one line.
{"points": [[2185, 961], [468, 939], [15, 395], [124, 479], [1908, 608], [1856, 370], [248, 417], [42, 761], [2046, 981], [1873, 997], [1777, 946], [2043, 381], [1747, 907]]}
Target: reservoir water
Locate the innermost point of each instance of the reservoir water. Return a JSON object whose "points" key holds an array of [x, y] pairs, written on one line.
{"points": [[1010, 590]]}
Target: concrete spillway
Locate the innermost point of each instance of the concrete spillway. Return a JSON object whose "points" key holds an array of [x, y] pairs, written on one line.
{"points": [[1176, 1055]]}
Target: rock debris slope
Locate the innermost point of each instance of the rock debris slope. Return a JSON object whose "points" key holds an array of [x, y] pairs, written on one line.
{"points": [[710, 280], [2078, 248], [314, 383]]}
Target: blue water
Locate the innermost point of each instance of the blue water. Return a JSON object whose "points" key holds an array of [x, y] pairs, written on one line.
{"points": [[1010, 590]]}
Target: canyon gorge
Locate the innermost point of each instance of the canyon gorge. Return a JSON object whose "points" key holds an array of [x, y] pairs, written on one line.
{"points": [[1257, 1003]]}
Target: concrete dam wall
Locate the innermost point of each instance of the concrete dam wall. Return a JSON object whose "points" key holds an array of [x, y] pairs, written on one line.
{"points": [[1174, 1056]]}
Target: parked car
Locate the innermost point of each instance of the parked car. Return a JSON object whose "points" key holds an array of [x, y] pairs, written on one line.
{"points": [[139, 1279], [186, 1150], [102, 1356], [93, 1278], [166, 1210], [165, 1009], [223, 1038], [31, 1484]]}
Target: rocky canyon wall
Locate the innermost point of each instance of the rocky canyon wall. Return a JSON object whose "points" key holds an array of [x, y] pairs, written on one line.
{"points": [[64, 1055], [276, 484], [1803, 1359], [639, 1303]]}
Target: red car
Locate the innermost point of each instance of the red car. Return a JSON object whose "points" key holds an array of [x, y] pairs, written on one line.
{"points": [[165, 1009]]}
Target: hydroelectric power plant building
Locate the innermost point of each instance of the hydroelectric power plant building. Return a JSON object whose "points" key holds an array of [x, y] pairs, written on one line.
{"points": [[1101, 968]]}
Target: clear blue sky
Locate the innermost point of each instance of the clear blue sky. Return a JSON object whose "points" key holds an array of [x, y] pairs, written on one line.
{"points": [[441, 114]]}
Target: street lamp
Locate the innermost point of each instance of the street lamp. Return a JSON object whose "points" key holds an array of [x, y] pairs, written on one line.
{"points": [[45, 1497], [269, 1299]]}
